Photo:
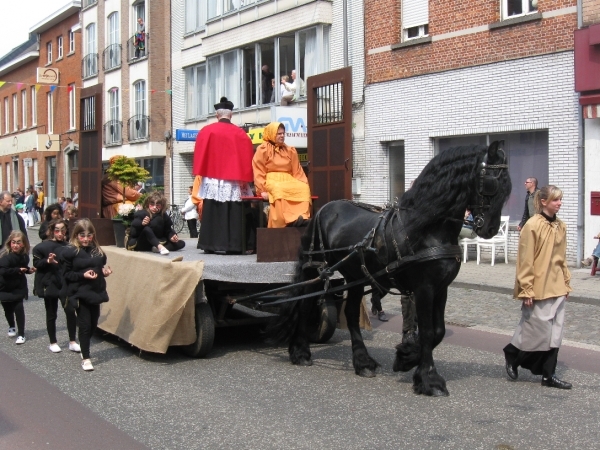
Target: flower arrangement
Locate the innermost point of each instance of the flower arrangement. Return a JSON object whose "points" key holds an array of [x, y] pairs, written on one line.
{"points": [[125, 213]]}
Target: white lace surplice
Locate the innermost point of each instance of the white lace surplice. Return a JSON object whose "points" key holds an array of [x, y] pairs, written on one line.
{"points": [[224, 190]]}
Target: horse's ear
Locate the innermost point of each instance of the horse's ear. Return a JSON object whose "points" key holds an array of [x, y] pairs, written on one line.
{"points": [[495, 148]]}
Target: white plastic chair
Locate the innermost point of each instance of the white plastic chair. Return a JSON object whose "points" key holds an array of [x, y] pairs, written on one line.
{"points": [[500, 240], [465, 242]]}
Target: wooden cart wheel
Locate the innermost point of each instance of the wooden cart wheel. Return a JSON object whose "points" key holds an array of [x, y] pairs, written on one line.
{"points": [[205, 332], [323, 326]]}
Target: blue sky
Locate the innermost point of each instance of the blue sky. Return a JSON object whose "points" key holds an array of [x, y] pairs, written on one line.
{"points": [[16, 20]]}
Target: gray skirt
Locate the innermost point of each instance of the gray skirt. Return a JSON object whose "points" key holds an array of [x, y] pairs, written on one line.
{"points": [[541, 326]]}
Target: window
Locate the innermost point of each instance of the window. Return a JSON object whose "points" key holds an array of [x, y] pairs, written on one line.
{"points": [[24, 108], [50, 114], [196, 104], [195, 15], [397, 170], [219, 7], [112, 53], [138, 124], [415, 19], [59, 45], [90, 60], [49, 52], [33, 106], [517, 7], [112, 132], [15, 112], [6, 116], [89, 113], [72, 107], [139, 12], [139, 97], [71, 42], [113, 104], [527, 154]]}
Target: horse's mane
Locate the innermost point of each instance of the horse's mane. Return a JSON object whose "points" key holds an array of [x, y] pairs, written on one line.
{"points": [[443, 188]]}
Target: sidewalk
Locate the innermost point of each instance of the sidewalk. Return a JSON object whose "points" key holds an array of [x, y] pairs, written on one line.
{"points": [[501, 278]]}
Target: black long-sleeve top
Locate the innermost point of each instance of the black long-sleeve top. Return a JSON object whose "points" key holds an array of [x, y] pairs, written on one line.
{"points": [[77, 261], [13, 283], [48, 278]]}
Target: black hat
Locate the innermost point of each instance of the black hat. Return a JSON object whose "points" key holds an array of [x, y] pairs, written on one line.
{"points": [[224, 104]]}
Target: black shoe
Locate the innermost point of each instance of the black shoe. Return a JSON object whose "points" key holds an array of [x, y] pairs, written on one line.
{"points": [[556, 383], [512, 371], [374, 311]]}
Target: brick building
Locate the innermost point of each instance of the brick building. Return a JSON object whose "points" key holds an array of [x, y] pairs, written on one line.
{"points": [[220, 47], [126, 51], [39, 112], [442, 73]]}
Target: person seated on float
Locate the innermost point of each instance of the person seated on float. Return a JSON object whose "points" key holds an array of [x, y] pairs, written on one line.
{"points": [[52, 212], [152, 229], [467, 231], [279, 178]]}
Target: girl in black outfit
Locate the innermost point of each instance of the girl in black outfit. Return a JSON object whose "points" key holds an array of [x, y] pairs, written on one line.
{"points": [[152, 229], [14, 262], [48, 282], [84, 284], [52, 212]]}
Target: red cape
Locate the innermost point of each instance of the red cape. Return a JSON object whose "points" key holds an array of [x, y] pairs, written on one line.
{"points": [[223, 151]]}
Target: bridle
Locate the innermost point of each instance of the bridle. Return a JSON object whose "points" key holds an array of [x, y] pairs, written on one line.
{"points": [[486, 187]]}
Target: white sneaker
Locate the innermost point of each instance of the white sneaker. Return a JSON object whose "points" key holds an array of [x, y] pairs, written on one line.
{"points": [[55, 348], [74, 347], [20, 340], [164, 251], [86, 365], [12, 332]]}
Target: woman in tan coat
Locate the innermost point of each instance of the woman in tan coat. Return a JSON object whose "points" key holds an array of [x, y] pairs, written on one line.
{"points": [[279, 178], [542, 284]]}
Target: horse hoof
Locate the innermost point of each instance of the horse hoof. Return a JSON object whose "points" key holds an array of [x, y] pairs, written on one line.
{"points": [[439, 393], [305, 362], [367, 373]]}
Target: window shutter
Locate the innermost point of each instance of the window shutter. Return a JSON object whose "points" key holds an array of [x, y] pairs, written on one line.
{"points": [[415, 13]]}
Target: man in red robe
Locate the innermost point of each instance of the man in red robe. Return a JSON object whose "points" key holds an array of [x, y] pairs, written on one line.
{"points": [[223, 158]]}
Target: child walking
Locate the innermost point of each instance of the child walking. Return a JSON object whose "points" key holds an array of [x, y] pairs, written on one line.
{"points": [[14, 264], [48, 282], [84, 288]]}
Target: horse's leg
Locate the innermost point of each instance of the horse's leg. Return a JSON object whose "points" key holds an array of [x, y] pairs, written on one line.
{"points": [[299, 348], [364, 365], [430, 312]]}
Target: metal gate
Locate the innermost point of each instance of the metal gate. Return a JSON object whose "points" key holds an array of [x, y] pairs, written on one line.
{"points": [[330, 135]]}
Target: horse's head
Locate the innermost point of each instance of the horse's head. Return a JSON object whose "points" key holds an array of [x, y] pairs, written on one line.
{"points": [[491, 190]]}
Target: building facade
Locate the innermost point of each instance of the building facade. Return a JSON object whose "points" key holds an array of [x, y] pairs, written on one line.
{"points": [[40, 81], [126, 50], [447, 73], [238, 49]]}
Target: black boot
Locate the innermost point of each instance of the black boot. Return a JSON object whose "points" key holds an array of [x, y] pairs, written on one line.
{"points": [[512, 371]]}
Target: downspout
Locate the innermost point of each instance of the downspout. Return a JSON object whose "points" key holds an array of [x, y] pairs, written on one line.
{"points": [[580, 161], [345, 30], [169, 142]]}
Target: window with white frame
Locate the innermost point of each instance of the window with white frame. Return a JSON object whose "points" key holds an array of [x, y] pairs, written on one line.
{"points": [[196, 104], [90, 60], [220, 7], [112, 53], [71, 41], [512, 8], [527, 155], [15, 112], [59, 45], [195, 15], [33, 106], [24, 108], [138, 124], [139, 12], [50, 113], [113, 133], [113, 104], [49, 52], [6, 116], [72, 107], [415, 19]]}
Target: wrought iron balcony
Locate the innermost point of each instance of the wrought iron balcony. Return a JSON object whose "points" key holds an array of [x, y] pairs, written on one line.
{"points": [[89, 65], [139, 128], [111, 57], [113, 132], [138, 48]]}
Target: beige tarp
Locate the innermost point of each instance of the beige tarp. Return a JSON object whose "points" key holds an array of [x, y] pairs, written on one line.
{"points": [[151, 299]]}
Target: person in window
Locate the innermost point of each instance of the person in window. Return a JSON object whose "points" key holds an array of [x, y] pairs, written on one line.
{"points": [[531, 186], [280, 179], [286, 93], [267, 78], [139, 41], [152, 228], [543, 285]]}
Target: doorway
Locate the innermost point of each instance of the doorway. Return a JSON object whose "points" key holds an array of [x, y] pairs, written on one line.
{"points": [[397, 170]]}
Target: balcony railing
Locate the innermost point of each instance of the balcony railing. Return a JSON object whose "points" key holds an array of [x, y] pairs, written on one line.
{"points": [[89, 65], [111, 57], [113, 132], [138, 48], [139, 128]]}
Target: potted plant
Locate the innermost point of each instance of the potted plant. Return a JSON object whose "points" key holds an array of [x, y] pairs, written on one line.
{"points": [[127, 172]]}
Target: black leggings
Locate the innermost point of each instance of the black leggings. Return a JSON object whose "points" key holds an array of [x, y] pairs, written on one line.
{"points": [[12, 310], [87, 320], [148, 239], [191, 223], [51, 314]]}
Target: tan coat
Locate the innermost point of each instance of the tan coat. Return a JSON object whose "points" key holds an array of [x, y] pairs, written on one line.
{"points": [[542, 270]]}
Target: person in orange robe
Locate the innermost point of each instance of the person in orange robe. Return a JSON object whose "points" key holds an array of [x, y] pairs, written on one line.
{"points": [[279, 178]]}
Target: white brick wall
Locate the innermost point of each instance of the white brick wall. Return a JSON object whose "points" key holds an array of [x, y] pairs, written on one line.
{"points": [[508, 94]]}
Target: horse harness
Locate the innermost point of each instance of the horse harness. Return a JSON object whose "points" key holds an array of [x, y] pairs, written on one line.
{"points": [[486, 187]]}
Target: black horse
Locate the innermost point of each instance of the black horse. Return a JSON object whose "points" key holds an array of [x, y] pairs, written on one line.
{"points": [[416, 241]]}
